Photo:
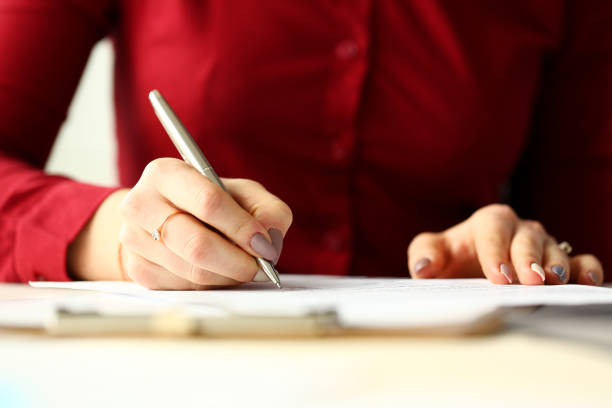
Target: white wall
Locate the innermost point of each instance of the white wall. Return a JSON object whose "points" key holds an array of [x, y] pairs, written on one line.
{"points": [[85, 148]]}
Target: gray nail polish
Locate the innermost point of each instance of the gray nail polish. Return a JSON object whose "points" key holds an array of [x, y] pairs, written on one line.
{"points": [[505, 270], [420, 264], [560, 272], [593, 277], [277, 241], [266, 250]]}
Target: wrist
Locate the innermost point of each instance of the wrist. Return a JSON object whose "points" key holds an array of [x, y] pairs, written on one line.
{"points": [[93, 255]]}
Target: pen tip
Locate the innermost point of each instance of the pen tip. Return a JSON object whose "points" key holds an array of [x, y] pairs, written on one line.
{"points": [[278, 285]]}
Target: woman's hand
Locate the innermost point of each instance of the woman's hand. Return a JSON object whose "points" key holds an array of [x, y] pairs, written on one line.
{"points": [[495, 243], [207, 238]]}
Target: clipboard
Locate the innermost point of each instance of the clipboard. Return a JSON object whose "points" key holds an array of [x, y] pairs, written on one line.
{"points": [[175, 323]]}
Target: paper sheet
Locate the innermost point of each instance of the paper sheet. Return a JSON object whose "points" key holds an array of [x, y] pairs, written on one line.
{"points": [[368, 302]]}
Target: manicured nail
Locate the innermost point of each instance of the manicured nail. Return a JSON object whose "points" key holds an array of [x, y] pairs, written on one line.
{"points": [[277, 242], [420, 264], [505, 270], [594, 278], [560, 272], [266, 250], [261, 276], [538, 269]]}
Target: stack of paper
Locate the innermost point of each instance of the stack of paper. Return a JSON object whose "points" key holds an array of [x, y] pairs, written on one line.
{"points": [[359, 302]]}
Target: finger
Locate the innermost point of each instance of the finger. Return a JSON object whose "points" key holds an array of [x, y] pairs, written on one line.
{"points": [[492, 231], [526, 252], [586, 270], [426, 255], [190, 191], [140, 242], [277, 241], [269, 210], [153, 276], [556, 263], [189, 239]]}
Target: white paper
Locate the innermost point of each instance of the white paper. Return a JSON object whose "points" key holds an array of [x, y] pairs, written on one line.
{"points": [[366, 302], [31, 313]]}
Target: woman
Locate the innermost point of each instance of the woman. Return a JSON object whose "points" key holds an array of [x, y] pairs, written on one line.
{"points": [[367, 122]]}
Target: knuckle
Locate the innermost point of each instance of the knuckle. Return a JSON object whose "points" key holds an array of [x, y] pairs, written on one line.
{"points": [[535, 226], [131, 205], [209, 199], [155, 167], [196, 248], [502, 211]]}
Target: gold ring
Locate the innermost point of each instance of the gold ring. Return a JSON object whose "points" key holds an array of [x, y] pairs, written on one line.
{"points": [[156, 233]]}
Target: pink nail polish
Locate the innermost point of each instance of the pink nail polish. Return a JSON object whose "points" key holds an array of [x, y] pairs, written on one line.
{"points": [[506, 272], [539, 270], [420, 264]]}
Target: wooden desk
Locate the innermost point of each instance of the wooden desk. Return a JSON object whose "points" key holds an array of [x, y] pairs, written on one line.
{"points": [[506, 369]]}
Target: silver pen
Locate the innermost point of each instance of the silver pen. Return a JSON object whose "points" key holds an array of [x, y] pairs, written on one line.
{"points": [[191, 153]]}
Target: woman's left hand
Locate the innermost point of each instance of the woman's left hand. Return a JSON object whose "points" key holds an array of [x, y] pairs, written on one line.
{"points": [[495, 243]]}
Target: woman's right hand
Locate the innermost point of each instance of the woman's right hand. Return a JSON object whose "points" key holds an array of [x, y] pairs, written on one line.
{"points": [[208, 238]]}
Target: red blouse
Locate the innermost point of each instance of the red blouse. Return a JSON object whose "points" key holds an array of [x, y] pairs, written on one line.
{"points": [[373, 119]]}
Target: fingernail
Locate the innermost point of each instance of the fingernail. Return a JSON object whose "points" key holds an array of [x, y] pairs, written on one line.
{"points": [[505, 270], [594, 278], [266, 250], [260, 276], [277, 242], [560, 272], [538, 269], [420, 264]]}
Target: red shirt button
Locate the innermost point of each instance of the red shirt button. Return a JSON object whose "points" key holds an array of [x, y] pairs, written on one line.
{"points": [[339, 152], [333, 241], [347, 49]]}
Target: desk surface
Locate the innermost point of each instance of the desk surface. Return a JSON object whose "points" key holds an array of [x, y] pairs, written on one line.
{"points": [[511, 368]]}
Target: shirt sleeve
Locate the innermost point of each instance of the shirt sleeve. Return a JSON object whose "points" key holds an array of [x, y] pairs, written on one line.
{"points": [[44, 46], [566, 177]]}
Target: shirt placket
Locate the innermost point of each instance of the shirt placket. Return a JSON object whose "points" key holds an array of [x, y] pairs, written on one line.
{"points": [[349, 65]]}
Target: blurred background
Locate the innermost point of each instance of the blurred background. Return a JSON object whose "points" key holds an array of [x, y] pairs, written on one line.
{"points": [[86, 148]]}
